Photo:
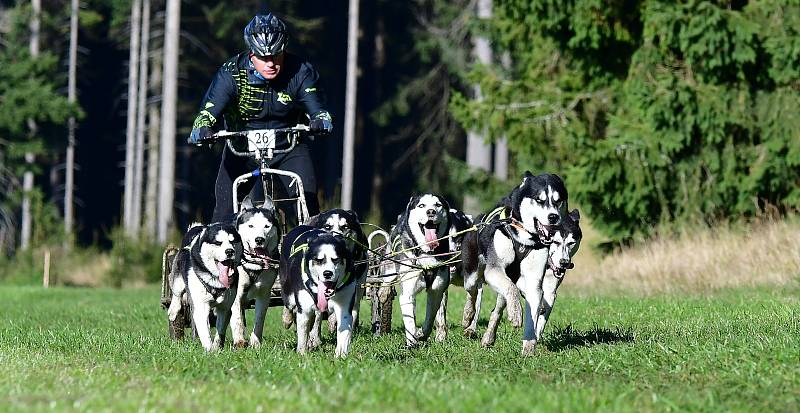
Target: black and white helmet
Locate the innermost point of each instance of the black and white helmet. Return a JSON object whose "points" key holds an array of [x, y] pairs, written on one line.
{"points": [[265, 35]]}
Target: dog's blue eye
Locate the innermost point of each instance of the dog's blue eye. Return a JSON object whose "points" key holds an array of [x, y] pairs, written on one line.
{"points": [[251, 225], [420, 206]]}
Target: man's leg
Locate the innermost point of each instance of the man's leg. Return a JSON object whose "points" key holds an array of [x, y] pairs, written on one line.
{"points": [[230, 167], [299, 162]]}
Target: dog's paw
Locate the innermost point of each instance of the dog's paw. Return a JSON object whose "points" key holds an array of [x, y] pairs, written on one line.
{"points": [[314, 342], [340, 352], [470, 333], [488, 339], [254, 341], [240, 344], [441, 334], [528, 347], [421, 335]]}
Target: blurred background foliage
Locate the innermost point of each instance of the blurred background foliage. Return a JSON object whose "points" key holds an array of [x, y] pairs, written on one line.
{"points": [[657, 114]]}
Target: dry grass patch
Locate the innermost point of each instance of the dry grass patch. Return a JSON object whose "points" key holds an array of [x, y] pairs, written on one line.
{"points": [[765, 252]]}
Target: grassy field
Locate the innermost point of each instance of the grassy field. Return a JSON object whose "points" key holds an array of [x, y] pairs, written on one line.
{"points": [[96, 349]]}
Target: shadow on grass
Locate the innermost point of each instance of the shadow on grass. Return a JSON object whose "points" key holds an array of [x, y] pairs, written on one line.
{"points": [[565, 338]]}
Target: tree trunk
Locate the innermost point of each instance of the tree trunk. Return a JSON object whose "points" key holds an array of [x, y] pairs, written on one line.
{"points": [[141, 112], [378, 64], [479, 154], [501, 159], [154, 125], [130, 141], [350, 104], [169, 102], [69, 172], [501, 145], [27, 177]]}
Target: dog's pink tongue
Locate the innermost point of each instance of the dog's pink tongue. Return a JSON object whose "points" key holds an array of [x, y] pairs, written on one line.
{"points": [[322, 299], [430, 237], [224, 274]]}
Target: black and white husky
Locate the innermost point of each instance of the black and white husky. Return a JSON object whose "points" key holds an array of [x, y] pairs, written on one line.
{"points": [[260, 233], [421, 251], [460, 226], [512, 246], [204, 278], [346, 223], [316, 273], [566, 242]]}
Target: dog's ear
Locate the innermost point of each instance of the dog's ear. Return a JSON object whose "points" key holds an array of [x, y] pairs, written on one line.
{"points": [[232, 230], [409, 207], [411, 202], [247, 203], [268, 204], [575, 215], [527, 175], [446, 207], [313, 221], [445, 204], [353, 215]]}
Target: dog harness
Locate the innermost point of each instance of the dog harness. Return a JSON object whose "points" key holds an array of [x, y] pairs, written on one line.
{"points": [[500, 219], [254, 262], [309, 283], [213, 291]]}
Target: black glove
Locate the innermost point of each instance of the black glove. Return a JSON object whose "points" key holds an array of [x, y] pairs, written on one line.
{"points": [[200, 136], [320, 126]]}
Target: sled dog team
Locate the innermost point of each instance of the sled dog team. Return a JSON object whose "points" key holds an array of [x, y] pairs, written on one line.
{"points": [[521, 249]]}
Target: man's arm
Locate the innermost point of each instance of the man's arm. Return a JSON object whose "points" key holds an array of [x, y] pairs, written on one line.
{"points": [[222, 89], [312, 97]]}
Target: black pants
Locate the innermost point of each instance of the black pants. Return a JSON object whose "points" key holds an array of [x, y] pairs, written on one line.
{"points": [[231, 166]]}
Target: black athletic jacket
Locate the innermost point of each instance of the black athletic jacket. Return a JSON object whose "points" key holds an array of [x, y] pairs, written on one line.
{"points": [[248, 102]]}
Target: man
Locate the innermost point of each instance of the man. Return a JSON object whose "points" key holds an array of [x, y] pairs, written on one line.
{"points": [[263, 88]]}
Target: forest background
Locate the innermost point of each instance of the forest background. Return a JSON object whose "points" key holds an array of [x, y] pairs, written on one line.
{"points": [[657, 114]]}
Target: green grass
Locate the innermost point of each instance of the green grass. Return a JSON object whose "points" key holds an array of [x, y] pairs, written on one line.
{"points": [[108, 350]]}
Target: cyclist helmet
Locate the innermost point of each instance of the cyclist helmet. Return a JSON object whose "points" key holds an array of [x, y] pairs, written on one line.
{"points": [[265, 35]]}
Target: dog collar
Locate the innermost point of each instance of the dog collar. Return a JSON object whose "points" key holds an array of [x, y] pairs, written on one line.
{"points": [[218, 291], [255, 262]]}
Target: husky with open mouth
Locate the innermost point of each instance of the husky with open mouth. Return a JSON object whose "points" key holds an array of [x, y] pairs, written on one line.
{"points": [[421, 249], [204, 278], [346, 223], [316, 273], [566, 242], [512, 247], [258, 227]]}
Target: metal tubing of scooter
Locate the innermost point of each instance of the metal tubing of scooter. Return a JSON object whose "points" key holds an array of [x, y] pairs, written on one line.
{"points": [[302, 208]]}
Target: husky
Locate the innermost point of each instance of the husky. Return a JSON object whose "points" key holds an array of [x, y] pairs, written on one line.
{"points": [[260, 232], [461, 225], [512, 248], [204, 277], [566, 242], [346, 223], [421, 249], [316, 274]]}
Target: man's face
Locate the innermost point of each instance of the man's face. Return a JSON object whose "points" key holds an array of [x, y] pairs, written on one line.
{"points": [[268, 66]]}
